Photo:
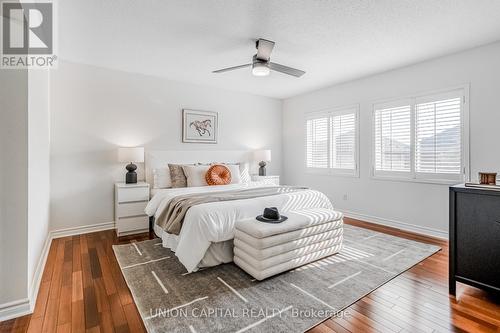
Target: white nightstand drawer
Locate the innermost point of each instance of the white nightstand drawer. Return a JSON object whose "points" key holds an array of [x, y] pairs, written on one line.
{"points": [[133, 194], [131, 209], [130, 202], [269, 180], [134, 224]]}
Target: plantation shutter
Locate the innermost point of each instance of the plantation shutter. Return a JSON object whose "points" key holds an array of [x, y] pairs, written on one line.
{"points": [[393, 138], [317, 142], [343, 140], [438, 146]]}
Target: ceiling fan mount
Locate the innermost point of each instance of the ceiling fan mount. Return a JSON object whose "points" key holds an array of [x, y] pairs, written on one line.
{"points": [[261, 62]]}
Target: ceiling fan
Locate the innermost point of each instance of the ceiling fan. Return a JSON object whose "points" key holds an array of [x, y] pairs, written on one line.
{"points": [[261, 62]]}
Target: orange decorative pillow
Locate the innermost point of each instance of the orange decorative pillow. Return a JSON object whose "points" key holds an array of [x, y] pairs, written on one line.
{"points": [[218, 175]]}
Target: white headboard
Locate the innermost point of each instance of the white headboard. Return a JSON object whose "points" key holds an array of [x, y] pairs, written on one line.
{"points": [[160, 158]]}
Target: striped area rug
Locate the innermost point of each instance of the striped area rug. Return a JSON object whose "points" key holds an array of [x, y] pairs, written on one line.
{"points": [[226, 299]]}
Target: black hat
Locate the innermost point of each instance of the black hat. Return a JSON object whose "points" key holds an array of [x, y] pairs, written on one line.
{"points": [[271, 215]]}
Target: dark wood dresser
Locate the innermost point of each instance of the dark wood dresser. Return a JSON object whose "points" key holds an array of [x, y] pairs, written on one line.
{"points": [[474, 238]]}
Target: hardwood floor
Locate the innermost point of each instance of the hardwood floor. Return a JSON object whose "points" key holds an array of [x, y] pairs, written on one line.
{"points": [[82, 290]]}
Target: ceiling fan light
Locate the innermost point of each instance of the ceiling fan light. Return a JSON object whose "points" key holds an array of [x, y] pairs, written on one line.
{"points": [[260, 69]]}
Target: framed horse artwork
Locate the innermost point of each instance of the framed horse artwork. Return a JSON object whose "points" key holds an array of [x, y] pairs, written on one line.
{"points": [[199, 126]]}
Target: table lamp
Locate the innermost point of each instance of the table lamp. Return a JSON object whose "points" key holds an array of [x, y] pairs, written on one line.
{"points": [[262, 156], [131, 154]]}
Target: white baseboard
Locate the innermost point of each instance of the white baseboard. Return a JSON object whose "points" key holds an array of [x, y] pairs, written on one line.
{"points": [[26, 306], [399, 225], [37, 276], [84, 229], [15, 309]]}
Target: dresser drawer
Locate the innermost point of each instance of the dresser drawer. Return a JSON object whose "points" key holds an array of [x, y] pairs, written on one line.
{"points": [[478, 237], [133, 194], [131, 208], [132, 225]]}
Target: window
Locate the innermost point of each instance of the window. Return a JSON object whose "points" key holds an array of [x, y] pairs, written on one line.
{"points": [[317, 143], [393, 139], [421, 138], [343, 141], [438, 146], [331, 141]]}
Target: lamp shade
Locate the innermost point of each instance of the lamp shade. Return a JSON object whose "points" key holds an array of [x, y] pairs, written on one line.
{"points": [[262, 155], [135, 154]]}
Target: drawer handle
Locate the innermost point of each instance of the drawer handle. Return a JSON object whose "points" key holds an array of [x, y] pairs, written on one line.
{"points": [[131, 202], [132, 216]]}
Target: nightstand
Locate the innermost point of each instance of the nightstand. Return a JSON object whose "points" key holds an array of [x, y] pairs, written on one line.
{"points": [[130, 202], [271, 180]]}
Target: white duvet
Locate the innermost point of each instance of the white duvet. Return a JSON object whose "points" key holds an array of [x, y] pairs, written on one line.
{"points": [[207, 225]]}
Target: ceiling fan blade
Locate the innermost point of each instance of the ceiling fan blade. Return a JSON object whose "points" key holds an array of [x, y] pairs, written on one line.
{"points": [[231, 68], [286, 70], [264, 49]]}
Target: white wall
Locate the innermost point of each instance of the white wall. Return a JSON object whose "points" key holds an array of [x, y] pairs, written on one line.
{"points": [[14, 185], [24, 190], [423, 206], [95, 110], [38, 169]]}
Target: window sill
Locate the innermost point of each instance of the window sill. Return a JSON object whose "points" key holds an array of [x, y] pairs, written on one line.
{"points": [[418, 180]]}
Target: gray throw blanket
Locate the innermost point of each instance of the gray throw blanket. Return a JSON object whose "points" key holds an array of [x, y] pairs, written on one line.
{"points": [[172, 217]]}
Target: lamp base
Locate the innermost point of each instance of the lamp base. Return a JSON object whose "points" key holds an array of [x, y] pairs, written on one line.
{"points": [[262, 169], [131, 176]]}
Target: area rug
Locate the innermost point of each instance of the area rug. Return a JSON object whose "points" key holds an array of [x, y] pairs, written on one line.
{"points": [[226, 299]]}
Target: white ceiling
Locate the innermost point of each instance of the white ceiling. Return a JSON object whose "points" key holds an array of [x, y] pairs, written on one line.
{"points": [[332, 40]]}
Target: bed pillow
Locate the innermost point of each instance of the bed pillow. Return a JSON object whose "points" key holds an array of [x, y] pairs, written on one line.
{"points": [[177, 176], [218, 174], [235, 173], [239, 175], [195, 175], [245, 172], [161, 178]]}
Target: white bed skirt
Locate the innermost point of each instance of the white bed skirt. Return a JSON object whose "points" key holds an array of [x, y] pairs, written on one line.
{"points": [[217, 253]]}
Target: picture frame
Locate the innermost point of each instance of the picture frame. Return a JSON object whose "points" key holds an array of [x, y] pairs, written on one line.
{"points": [[200, 126]]}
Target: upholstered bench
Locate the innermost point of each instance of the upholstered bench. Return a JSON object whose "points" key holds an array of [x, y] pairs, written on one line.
{"points": [[266, 249]]}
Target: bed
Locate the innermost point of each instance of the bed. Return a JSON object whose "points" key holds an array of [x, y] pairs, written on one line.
{"points": [[208, 229]]}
